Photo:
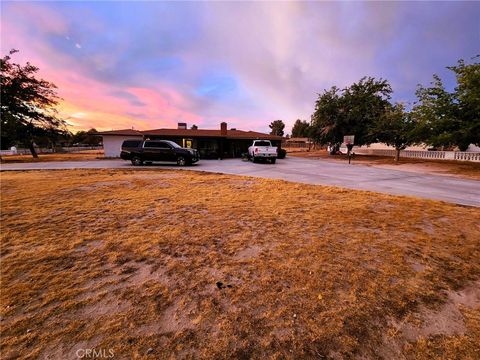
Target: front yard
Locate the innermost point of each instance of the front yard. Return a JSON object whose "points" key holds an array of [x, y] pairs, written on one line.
{"points": [[72, 156], [176, 264]]}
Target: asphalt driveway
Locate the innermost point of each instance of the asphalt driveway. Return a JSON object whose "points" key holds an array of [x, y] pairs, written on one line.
{"points": [[320, 172]]}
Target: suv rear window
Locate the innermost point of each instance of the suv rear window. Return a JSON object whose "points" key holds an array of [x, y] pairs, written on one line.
{"points": [[131, 143]]}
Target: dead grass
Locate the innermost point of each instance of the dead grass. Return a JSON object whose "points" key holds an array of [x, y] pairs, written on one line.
{"points": [[129, 260], [464, 169], [77, 156]]}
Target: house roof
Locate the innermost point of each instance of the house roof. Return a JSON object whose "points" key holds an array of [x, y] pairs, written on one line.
{"points": [[231, 134], [124, 132], [305, 139], [251, 134], [182, 132]]}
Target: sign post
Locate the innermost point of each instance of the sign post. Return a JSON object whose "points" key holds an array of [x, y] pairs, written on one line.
{"points": [[349, 140]]}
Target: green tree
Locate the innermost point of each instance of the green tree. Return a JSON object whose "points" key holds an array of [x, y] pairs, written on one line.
{"points": [[92, 138], [277, 127], [9, 131], [351, 111], [300, 128], [447, 119], [27, 103], [467, 93], [86, 138], [51, 138], [396, 128], [78, 137], [327, 120]]}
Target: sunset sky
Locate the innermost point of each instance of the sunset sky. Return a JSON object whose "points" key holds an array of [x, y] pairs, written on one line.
{"points": [[152, 64]]}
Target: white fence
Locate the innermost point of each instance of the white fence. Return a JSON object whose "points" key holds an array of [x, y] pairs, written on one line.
{"points": [[436, 155], [48, 151], [466, 156]]}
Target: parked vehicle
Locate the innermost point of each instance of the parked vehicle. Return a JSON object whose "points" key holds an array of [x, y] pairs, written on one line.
{"points": [[282, 153], [148, 151], [262, 149]]}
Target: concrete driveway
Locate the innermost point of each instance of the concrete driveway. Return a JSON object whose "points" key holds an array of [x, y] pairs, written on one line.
{"points": [[321, 172]]}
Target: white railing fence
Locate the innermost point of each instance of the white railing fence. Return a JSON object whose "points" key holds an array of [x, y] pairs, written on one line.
{"points": [[436, 155], [466, 156]]}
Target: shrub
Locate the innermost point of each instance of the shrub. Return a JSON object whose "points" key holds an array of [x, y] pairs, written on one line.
{"points": [[282, 153]]}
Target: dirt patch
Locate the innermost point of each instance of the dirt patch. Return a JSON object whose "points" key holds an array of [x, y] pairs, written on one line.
{"points": [[447, 320], [418, 267], [88, 246], [176, 318], [469, 296], [243, 183], [109, 305], [443, 321], [75, 350], [139, 273], [249, 252], [105, 184]]}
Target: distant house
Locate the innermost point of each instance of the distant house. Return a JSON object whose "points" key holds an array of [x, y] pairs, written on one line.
{"points": [[211, 144], [298, 142]]}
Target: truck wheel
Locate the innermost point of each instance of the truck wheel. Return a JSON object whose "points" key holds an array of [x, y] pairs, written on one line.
{"points": [[254, 159], [273, 161], [181, 161], [136, 161]]}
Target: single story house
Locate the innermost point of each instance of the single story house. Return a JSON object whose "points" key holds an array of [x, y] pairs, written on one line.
{"points": [[211, 144]]}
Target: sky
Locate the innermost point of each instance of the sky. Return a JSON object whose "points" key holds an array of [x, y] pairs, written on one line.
{"points": [[150, 65]]}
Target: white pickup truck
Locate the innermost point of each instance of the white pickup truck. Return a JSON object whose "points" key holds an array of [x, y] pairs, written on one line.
{"points": [[262, 149]]}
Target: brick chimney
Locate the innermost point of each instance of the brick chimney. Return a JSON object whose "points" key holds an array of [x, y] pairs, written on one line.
{"points": [[182, 126], [223, 129]]}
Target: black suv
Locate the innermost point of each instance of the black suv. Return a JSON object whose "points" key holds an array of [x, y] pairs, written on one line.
{"points": [[148, 151]]}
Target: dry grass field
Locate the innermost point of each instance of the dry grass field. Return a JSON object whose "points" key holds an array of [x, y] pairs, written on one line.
{"points": [[74, 156], [168, 264], [464, 169]]}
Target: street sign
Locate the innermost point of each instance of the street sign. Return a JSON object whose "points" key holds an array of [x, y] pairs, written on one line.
{"points": [[349, 139]]}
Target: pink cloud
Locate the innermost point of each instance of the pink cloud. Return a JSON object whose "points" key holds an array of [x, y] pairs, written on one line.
{"points": [[103, 110], [82, 94], [39, 17]]}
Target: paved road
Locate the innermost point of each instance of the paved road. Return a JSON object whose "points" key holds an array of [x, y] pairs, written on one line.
{"points": [[322, 172]]}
